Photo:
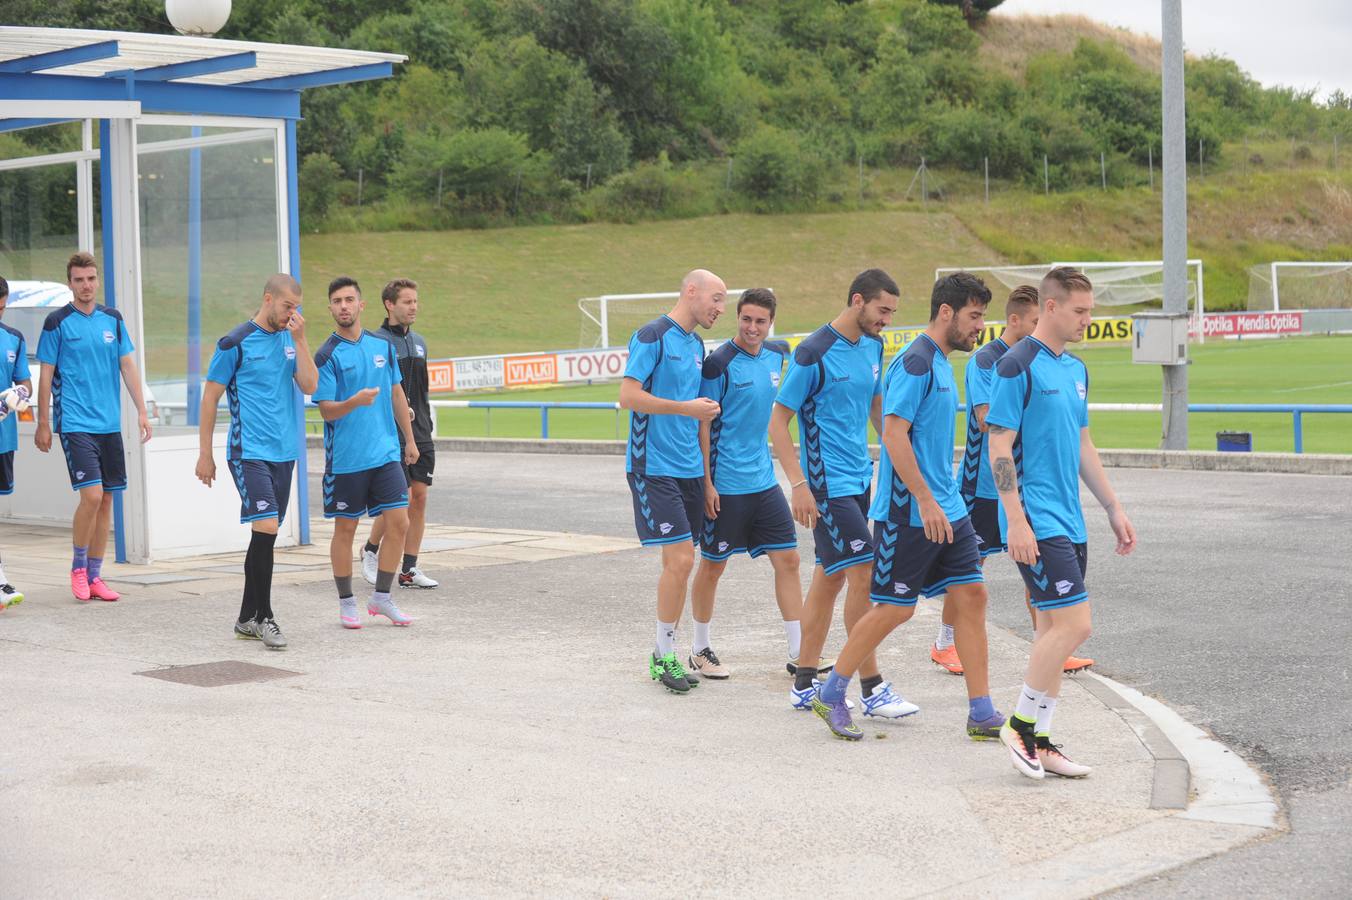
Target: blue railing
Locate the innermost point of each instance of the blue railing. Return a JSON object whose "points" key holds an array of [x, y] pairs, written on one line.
{"points": [[1296, 411]]}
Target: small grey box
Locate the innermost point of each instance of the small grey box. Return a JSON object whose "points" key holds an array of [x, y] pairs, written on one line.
{"points": [[1159, 338]]}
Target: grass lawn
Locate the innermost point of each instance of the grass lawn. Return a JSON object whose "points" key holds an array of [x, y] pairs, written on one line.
{"points": [[1315, 370]]}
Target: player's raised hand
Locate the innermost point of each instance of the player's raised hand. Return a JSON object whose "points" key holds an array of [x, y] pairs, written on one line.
{"points": [[937, 527], [1022, 543], [206, 469], [296, 325], [703, 409], [365, 396], [1123, 530]]}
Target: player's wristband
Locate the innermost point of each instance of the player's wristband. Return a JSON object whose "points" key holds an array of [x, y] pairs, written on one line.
{"points": [[798, 484]]}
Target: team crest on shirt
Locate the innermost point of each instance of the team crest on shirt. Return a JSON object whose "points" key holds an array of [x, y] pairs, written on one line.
{"points": [[379, 361], [774, 379], [107, 337], [420, 351], [12, 356], [876, 370], [1063, 587], [1081, 389], [290, 352], [856, 545]]}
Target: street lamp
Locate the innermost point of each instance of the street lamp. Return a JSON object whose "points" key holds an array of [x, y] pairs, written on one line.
{"points": [[200, 18]]}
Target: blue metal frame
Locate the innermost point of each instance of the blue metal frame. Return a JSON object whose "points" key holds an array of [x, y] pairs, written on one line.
{"points": [[293, 240], [213, 65], [346, 75], [110, 296], [55, 59], [194, 382], [157, 96]]}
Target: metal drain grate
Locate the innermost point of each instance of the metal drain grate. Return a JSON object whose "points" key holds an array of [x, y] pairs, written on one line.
{"points": [[217, 674]]}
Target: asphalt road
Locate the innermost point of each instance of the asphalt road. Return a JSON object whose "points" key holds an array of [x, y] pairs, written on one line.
{"points": [[1236, 610]]}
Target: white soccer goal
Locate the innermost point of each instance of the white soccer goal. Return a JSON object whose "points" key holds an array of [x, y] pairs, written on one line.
{"points": [[1130, 283], [1300, 285], [610, 319]]}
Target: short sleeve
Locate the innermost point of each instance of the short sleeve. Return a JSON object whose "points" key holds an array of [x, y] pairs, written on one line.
{"points": [[878, 378], [906, 393], [21, 372], [224, 364], [49, 345], [328, 382], [978, 384], [1006, 400], [713, 387], [798, 385], [643, 356], [124, 345]]}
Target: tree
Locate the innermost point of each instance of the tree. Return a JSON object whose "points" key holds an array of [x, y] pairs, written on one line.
{"points": [[972, 10]]}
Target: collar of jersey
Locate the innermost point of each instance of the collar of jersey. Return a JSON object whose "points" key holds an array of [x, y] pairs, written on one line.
{"points": [[843, 337], [935, 343], [346, 341], [87, 315], [1002, 340], [674, 322], [394, 329], [742, 350], [1053, 354]]}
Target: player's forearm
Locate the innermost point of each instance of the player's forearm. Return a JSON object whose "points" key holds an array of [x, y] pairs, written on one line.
{"points": [[44, 394], [131, 377], [206, 425], [333, 410], [1094, 477], [979, 412], [640, 401], [401, 416], [1003, 472], [307, 374], [782, 443], [901, 453], [704, 450], [875, 415]]}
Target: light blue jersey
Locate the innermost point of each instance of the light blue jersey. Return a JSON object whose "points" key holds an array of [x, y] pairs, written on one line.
{"points": [[13, 369], [744, 386], [919, 388], [976, 460], [85, 351], [1045, 398], [666, 360], [365, 438], [831, 384], [257, 366]]}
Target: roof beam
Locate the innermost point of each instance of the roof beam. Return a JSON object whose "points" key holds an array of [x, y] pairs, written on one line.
{"points": [[346, 75], [155, 96], [55, 59], [212, 65]]}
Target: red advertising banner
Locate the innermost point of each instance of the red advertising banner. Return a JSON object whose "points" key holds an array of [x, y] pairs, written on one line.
{"points": [[1252, 323], [524, 370]]}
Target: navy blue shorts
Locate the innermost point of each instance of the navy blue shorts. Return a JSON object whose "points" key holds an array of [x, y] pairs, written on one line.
{"points": [[985, 515], [95, 459], [841, 535], [1056, 581], [749, 523], [908, 564], [7, 473], [264, 488], [666, 509], [369, 492]]}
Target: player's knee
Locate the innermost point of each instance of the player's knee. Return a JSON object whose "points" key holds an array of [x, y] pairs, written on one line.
{"points": [[710, 569], [893, 614], [679, 560], [93, 496], [859, 577], [785, 560], [344, 528]]}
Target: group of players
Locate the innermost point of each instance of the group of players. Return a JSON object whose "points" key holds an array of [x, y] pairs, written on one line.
{"points": [[371, 389], [700, 473]]}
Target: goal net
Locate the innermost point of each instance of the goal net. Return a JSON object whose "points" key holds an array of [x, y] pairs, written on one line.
{"points": [[1300, 285], [1124, 286], [609, 320]]}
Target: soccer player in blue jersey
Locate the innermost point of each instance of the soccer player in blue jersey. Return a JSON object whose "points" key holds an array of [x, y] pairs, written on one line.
{"points": [[663, 461], [84, 349], [364, 412], [15, 378], [923, 538], [744, 508], [1040, 450], [256, 366], [834, 387], [978, 486]]}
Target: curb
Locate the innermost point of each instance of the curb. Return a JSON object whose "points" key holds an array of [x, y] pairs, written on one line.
{"points": [[1173, 775], [1187, 460]]}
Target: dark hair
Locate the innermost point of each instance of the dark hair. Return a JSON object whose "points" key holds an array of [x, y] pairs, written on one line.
{"points": [[870, 283], [390, 293], [341, 282], [80, 260], [1061, 281], [763, 297], [4, 288], [956, 291], [1020, 299]]}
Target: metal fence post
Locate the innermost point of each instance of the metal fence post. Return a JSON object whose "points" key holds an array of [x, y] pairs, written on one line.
{"points": [[361, 180], [1046, 177], [440, 173], [986, 162], [544, 423], [1103, 170], [589, 168], [1296, 425], [924, 191], [1150, 158]]}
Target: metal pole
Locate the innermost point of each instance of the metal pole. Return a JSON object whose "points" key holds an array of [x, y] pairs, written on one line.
{"points": [[1175, 162], [544, 423], [194, 393], [1335, 151], [861, 171], [986, 162], [1300, 438], [292, 207], [440, 174], [1103, 170], [361, 178], [1150, 157], [727, 185], [1046, 177], [110, 292], [589, 168], [924, 191], [1201, 159]]}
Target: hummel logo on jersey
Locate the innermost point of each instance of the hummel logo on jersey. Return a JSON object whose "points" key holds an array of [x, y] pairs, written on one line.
{"points": [[107, 337], [262, 505], [856, 545], [722, 545], [674, 358], [1050, 392], [900, 587], [341, 504], [665, 528], [1081, 389], [1063, 587], [379, 361], [743, 385], [290, 352], [943, 389], [837, 379]]}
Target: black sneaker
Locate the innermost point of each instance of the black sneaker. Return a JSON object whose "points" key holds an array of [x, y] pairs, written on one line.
{"points": [[668, 670]]}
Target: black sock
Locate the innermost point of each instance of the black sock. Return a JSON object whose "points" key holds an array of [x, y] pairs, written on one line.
{"points": [[802, 679], [870, 684], [248, 606], [259, 573], [383, 581], [409, 562], [372, 548], [344, 583]]}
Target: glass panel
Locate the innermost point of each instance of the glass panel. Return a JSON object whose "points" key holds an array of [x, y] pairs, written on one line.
{"points": [[238, 251], [39, 224]]}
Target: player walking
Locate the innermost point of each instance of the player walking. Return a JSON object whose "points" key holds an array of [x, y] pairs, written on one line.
{"points": [[18, 387], [255, 366], [1040, 399]]}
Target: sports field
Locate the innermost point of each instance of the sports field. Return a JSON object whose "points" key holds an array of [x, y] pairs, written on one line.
{"points": [[1311, 370]]}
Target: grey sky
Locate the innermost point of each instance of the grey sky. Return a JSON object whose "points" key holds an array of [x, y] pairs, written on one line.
{"points": [[1301, 43]]}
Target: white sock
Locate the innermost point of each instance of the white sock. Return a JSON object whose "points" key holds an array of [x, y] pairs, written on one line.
{"points": [[1029, 699], [701, 637], [666, 638], [1045, 708], [945, 638], [794, 632]]}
